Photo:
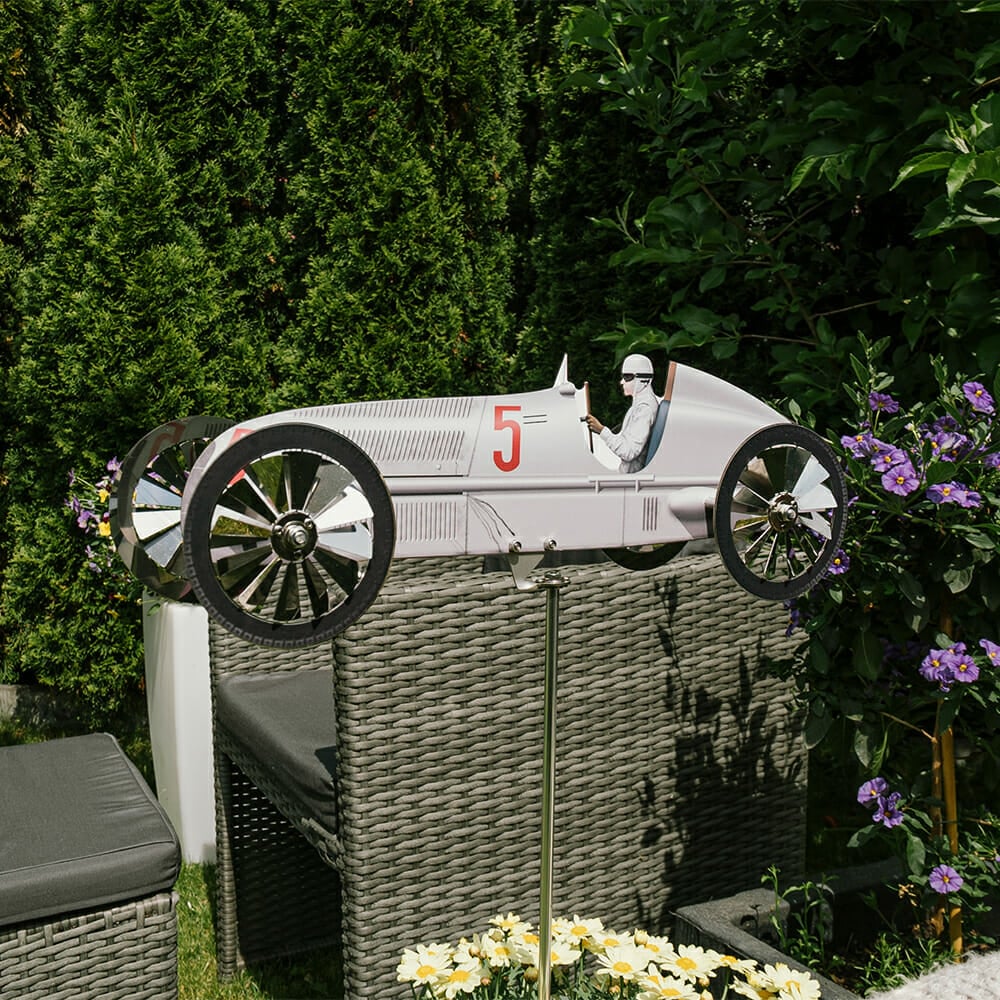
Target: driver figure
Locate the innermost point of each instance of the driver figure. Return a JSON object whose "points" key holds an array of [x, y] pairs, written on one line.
{"points": [[629, 444]]}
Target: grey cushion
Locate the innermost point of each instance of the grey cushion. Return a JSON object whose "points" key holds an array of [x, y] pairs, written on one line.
{"points": [[286, 721], [79, 830]]}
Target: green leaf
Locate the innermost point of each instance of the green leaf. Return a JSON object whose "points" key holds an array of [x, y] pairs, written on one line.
{"points": [[978, 539], [801, 172], [712, 278], [949, 709], [925, 163], [958, 578], [913, 590], [861, 372], [863, 747], [916, 854], [962, 169], [734, 153], [867, 655], [816, 728], [861, 837]]}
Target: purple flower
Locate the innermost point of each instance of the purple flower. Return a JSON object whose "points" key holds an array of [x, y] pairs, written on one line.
{"points": [[976, 394], [871, 791], [840, 564], [945, 423], [970, 498], [936, 666], [963, 668], [992, 461], [114, 466], [882, 402], [888, 812], [886, 460], [794, 616], [991, 649], [948, 445], [857, 444], [902, 480], [954, 492], [945, 879]]}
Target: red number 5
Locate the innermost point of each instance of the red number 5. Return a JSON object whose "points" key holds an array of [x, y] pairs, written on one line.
{"points": [[500, 423]]}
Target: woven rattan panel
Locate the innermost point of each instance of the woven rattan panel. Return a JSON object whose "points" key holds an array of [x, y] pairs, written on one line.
{"points": [[680, 766], [126, 952]]}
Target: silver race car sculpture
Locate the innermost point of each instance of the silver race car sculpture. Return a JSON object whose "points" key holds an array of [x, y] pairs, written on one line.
{"points": [[283, 527]]}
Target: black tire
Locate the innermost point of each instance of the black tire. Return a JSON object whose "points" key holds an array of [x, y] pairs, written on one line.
{"points": [[780, 511], [146, 506], [289, 534], [645, 557]]}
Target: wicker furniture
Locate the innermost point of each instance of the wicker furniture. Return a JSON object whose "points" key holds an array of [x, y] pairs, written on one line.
{"points": [[680, 768], [89, 860]]}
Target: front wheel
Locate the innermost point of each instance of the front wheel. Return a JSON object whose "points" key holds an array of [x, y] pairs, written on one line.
{"points": [[289, 534], [780, 511]]}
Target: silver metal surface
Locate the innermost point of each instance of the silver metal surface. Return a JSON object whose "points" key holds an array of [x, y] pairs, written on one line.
{"points": [[551, 583]]}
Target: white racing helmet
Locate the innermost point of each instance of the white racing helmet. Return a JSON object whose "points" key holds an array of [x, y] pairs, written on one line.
{"points": [[637, 366]]}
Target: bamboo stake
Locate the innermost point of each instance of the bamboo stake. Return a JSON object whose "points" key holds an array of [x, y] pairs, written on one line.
{"points": [[945, 753], [947, 744]]}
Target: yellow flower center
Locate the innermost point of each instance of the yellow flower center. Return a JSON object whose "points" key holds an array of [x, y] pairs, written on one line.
{"points": [[423, 971], [687, 963], [578, 930], [459, 976], [622, 968]]}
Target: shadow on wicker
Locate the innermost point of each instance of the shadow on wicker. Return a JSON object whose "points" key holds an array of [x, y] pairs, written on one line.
{"points": [[392, 796]]}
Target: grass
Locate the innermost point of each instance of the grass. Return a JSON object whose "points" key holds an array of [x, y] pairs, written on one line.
{"points": [[313, 977]]}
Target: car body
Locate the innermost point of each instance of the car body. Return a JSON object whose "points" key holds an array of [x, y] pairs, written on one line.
{"points": [[274, 517]]}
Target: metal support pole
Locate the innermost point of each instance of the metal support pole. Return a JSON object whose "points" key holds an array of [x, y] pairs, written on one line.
{"points": [[551, 583]]}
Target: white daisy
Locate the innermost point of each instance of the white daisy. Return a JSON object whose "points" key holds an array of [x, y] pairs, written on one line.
{"points": [[659, 948], [791, 984], [461, 979], [607, 938], [423, 964], [624, 961], [577, 930], [692, 962], [496, 952], [656, 986], [510, 924]]}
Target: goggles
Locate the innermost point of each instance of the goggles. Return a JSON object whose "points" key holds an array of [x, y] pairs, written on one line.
{"points": [[629, 377]]}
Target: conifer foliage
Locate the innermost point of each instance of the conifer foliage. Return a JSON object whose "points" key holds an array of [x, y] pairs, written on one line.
{"points": [[231, 206]]}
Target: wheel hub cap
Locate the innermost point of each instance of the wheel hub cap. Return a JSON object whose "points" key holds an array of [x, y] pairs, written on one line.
{"points": [[293, 536], [783, 512]]}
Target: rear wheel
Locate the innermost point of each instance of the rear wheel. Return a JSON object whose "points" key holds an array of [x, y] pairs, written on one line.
{"points": [[289, 534], [146, 506], [780, 511]]}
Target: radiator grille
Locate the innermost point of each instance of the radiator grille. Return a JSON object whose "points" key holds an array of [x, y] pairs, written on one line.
{"points": [[427, 520], [650, 513]]}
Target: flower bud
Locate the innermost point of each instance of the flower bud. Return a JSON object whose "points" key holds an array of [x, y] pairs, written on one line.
{"points": [[531, 974]]}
